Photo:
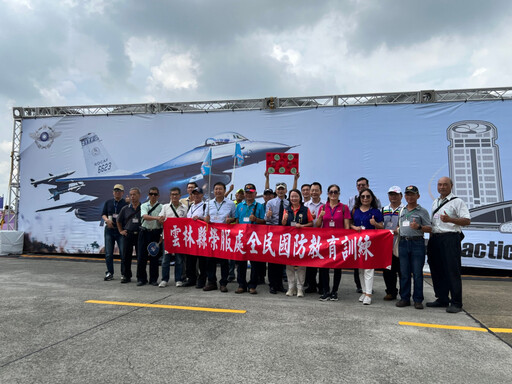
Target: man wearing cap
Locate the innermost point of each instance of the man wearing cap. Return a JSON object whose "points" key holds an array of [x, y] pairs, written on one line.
{"points": [[175, 208], [150, 231], [249, 212], [197, 211], [414, 221], [219, 210], [239, 196], [128, 223], [111, 210], [449, 215], [391, 214], [274, 216]]}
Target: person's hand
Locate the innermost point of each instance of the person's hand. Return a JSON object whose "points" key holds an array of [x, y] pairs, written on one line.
{"points": [[297, 175], [372, 221], [124, 232], [445, 218], [299, 225], [414, 224], [161, 219], [269, 213], [322, 214], [252, 218], [195, 217], [109, 223]]}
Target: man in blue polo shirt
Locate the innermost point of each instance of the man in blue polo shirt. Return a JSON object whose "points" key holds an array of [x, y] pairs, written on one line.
{"points": [[249, 212]]}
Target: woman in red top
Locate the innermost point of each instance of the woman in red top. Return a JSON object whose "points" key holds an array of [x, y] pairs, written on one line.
{"points": [[297, 215], [333, 214]]}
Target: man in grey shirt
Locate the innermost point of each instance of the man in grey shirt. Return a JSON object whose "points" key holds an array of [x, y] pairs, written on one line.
{"points": [[414, 221]]}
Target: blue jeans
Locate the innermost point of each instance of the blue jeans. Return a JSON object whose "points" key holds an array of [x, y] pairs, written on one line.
{"points": [[111, 236], [166, 266], [412, 259]]}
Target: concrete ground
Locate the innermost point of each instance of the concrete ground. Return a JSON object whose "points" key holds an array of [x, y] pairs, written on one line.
{"points": [[50, 333]]}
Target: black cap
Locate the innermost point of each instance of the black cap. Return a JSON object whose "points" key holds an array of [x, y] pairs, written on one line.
{"points": [[198, 190], [267, 191], [412, 189]]}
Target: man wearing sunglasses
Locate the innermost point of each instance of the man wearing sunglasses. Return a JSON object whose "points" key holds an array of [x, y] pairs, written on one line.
{"points": [[150, 231]]}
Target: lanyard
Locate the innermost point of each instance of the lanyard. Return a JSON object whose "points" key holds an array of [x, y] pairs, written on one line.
{"points": [[198, 206], [218, 207], [407, 215], [333, 211]]}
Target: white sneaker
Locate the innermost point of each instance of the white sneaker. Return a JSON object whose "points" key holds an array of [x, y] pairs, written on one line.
{"points": [[367, 300], [162, 284], [179, 283], [361, 298], [290, 292], [300, 293]]}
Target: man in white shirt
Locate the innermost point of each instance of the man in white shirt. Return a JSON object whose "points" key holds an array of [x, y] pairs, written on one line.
{"points": [[449, 215]]}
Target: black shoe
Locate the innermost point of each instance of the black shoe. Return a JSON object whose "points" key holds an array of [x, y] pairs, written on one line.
{"points": [[310, 290], [108, 276], [199, 286], [154, 284], [359, 290], [403, 303], [189, 283], [281, 289], [231, 278], [140, 283], [453, 309], [125, 280], [272, 291], [418, 305], [436, 304], [325, 297], [334, 296]]}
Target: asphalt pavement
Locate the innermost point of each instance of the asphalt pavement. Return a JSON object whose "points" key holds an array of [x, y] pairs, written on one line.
{"points": [[61, 323]]}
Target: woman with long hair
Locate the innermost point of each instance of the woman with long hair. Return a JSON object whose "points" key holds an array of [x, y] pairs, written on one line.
{"points": [[366, 215], [332, 214], [299, 216]]}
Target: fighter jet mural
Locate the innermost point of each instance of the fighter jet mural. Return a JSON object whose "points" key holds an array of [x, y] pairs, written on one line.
{"points": [[103, 172]]}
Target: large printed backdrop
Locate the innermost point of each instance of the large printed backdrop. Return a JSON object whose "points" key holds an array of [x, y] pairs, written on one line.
{"points": [[390, 145]]}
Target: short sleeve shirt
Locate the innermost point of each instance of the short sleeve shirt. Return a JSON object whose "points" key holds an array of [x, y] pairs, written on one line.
{"points": [[363, 218], [454, 208], [334, 217], [144, 210], [243, 211], [274, 205], [419, 215], [219, 212]]}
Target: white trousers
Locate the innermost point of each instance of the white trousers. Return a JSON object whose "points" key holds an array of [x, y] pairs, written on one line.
{"points": [[366, 277], [296, 276]]}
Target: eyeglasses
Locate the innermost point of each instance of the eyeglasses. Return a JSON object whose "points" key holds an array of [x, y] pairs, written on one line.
{"points": [[362, 185], [334, 192], [152, 194], [175, 194], [366, 196]]}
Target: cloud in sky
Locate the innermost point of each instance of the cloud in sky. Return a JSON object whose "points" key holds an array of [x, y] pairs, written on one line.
{"points": [[72, 52]]}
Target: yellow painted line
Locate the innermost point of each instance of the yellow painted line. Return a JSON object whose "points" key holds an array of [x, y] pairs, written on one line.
{"points": [[456, 327], [63, 257], [145, 305]]}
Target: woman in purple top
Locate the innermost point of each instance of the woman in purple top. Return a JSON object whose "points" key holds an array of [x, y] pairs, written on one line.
{"points": [[333, 214], [366, 215]]}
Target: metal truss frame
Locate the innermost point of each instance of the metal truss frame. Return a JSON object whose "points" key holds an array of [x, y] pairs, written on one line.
{"points": [[268, 103]]}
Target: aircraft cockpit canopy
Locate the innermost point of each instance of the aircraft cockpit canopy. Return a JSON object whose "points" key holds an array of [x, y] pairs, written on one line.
{"points": [[224, 138]]}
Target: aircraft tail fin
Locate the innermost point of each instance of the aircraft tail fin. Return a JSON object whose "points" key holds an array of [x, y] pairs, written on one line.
{"points": [[97, 159]]}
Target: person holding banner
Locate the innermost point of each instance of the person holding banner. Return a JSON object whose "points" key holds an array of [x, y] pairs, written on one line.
{"points": [[150, 232], [332, 214], [219, 210], [314, 206], [391, 215], [175, 208], [297, 215], [249, 211], [187, 201], [197, 211], [366, 215], [274, 216]]}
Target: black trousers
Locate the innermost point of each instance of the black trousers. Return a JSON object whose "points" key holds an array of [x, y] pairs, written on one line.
{"points": [[242, 274], [324, 279], [391, 276], [311, 273], [212, 271], [275, 275], [131, 241], [146, 237], [444, 259], [193, 263]]}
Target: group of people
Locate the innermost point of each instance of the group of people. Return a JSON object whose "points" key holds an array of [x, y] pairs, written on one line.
{"points": [[136, 226]]}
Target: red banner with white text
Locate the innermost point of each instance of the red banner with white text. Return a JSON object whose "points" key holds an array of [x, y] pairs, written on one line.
{"points": [[312, 247]]}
